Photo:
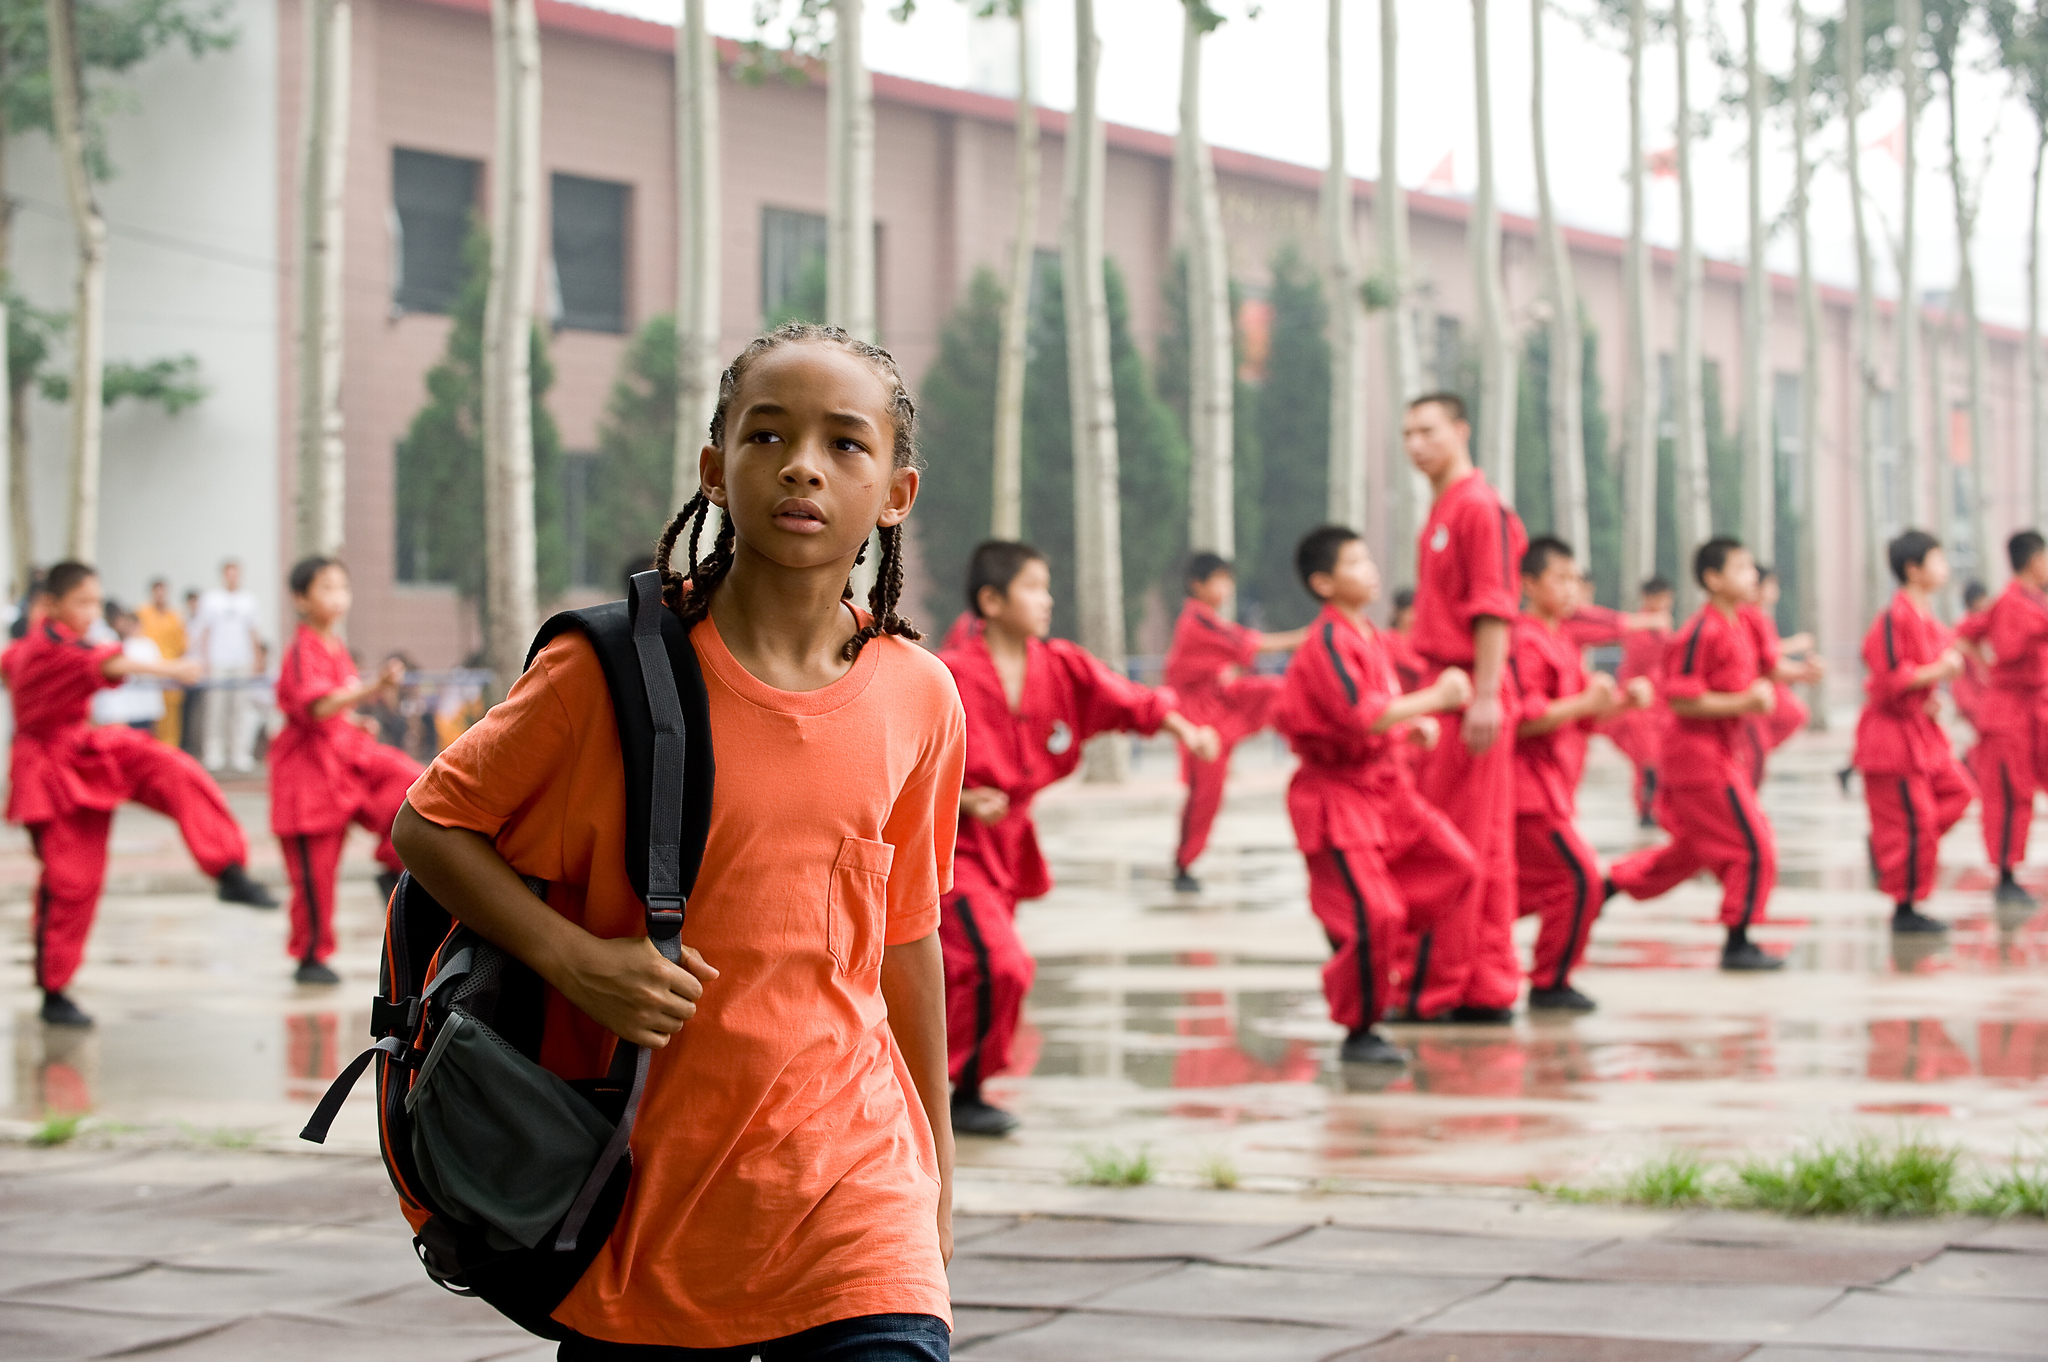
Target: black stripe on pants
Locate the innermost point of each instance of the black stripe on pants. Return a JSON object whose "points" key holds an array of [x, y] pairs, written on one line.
{"points": [[984, 996], [312, 898], [1365, 982], [1571, 945], [1755, 854], [1912, 842]]}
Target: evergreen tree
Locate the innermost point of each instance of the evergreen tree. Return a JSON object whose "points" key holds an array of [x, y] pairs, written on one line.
{"points": [[1603, 482], [632, 495], [956, 417], [441, 458], [1725, 474], [1294, 439], [1247, 460], [1533, 499], [1534, 493]]}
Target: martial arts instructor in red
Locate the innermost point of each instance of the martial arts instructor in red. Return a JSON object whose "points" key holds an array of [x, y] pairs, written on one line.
{"points": [[1468, 592]]}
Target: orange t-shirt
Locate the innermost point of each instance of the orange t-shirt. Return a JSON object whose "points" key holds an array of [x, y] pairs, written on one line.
{"points": [[784, 1173]]}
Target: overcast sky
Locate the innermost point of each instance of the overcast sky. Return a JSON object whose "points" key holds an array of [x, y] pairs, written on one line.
{"points": [[1264, 92]]}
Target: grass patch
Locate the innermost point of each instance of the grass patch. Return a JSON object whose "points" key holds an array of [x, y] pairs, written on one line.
{"points": [[2018, 1190], [1110, 1166], [56, 1130], [1219, 1170], [1868, 1178], [1679, 1178]]}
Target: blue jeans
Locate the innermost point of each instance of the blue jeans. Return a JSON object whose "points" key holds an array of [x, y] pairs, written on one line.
{"points": [[865, 1338]]}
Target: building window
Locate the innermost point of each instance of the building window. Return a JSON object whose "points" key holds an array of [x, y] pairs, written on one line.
{"points": [[1449, 354], [585, 538], [412, 521], [432, 200], [792, 266], [1787, 399], [590, 253]]}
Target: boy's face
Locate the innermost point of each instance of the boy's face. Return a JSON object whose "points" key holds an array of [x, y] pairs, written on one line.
{"points": [[328, 598], [81, 606], [2036, 570], [1930, 573], [1656, 602], [1353, 582], [1554, 592], [1024, 609], [160, 595], [1434, 438], [1215, 590], [1768, 591], [1736, 580]]}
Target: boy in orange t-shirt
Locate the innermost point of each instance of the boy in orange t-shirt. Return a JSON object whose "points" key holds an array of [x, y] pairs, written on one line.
{"points": [[791, 1192]]}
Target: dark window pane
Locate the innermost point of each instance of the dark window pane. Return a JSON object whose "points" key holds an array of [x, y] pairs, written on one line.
{"points": [[590, 253], [792, 266], [434, 197]]}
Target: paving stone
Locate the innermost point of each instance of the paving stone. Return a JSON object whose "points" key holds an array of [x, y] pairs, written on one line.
{"points": [[1108, 1239], [38, 1333], [1376, 1301], [1085, 1336], [972, 1322], [1977, 1272], [352, 1197], [2018, 1236], [968, 1228], [1662, 1260], [1541, 1348], [1039, 1283], [421, 1305], [18, 1270], [74, 1196], [1685, 1313], [163, 1289], [1923, 1238], [1415, 1251], [1776, 1353], [266, 1338], [1884, 1319]]}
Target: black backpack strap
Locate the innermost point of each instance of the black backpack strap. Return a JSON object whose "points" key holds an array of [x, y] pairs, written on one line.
{"points": [[664, 895]]}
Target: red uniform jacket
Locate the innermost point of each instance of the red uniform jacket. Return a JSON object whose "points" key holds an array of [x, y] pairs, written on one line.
{"points": [[1642, 654], [1409, 665], [60, 762], [1709, 653], [1763, 633], [1338, 684], [316, 779], [1467, 567], [1203, 665], [1545, 665], [2015, 628], [1069, 697], [1595, 626], [1896, 736]]}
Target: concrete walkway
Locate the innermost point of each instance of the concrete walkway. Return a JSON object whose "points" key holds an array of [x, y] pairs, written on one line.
{"points": [[234, 1255]]}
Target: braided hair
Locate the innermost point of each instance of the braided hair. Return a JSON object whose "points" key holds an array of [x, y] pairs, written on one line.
{"points": [[687, 589]]}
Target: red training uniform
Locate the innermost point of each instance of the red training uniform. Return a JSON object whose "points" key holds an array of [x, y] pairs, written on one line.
{"points": [[1205, 666], [324, 775], [1069, 697], [1595, 626], [1639, 733], [1768, 732], [1705, 799], [1389, 877], [1914, 786], [66, 778], [2011, 756], [1468, 568], [1557, 875]]}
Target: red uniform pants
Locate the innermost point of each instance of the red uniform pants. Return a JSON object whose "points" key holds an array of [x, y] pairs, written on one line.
{"points": [[1354, 898], [1436, 873], [1558, 879], [1713, 827], [988, 972], [312, 858], [1638, 733], [1477, 793], [2010, 764], [1909, 815], [1205, 781], [73, 850]]}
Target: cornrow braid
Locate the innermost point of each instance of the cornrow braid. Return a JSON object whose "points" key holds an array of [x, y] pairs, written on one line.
{"points": [[688, 593], [882, 597]]}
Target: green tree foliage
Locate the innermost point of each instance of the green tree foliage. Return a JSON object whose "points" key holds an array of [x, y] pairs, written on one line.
{"points": [[806, 302], [1533, 491], [632, 495], [441, 459], [33, 333], [1294, 439], [956, 419], [1724, 479]]}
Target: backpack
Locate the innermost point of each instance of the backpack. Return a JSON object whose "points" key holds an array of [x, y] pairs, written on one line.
{"points": [[511, 1177]]}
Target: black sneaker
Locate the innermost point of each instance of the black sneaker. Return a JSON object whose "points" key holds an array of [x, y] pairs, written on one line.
{"points": [[1184, 883], [59, 1010], [237, 887], [1747, 956], [976, 1117], [1906, 918], [1483, 1016], [2010, 891], [387, 885], [1843, 777], [313, 972], [1367, 1046], [1565, 999], [1646, 820]]}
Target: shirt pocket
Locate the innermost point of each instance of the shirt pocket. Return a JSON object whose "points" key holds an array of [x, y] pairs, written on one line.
{"points": [[856, 908]]}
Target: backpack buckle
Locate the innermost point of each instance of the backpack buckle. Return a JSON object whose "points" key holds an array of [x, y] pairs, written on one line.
{"points": [[394, 1019]]}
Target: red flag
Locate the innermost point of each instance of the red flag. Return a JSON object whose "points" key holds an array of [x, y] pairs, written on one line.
{"points": [[1441, 180], [1893, 143], [1663, 165]]}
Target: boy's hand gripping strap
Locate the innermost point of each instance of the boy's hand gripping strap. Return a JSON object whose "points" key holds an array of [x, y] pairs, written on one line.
{"points": [[665, 900]]}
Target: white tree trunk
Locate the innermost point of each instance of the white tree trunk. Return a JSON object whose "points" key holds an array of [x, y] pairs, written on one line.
{"points": [[2037, 411], [1007, 518], [850, 215], [1876, 571], [697, 237], [88, 322], [1410, 493], [1808, 489], [1348, 481], [1760, 464], [1973, 345], [1934, 348], [1571, 517], [1211, 372], [1639, 440], [1497, 347], [1695, 506], [1905, 428], [14, 430], [323, 175], [508, 340], [1098, 537]]}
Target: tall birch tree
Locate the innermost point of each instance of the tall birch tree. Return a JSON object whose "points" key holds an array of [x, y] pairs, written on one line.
{"points": [[698, 267], [1695, 505], [1341, 286], [2022, 35], [1759, 463], [1403, 358], [850, 174], [1007, 518], [1211, 371], [1950, 19], [511, 591], [1497, 381], [1809, 340], [1876, 569], [1098, 548], [1906, 329], [1567, 422], [1639, 445], [67, 105], [323, 172]]}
